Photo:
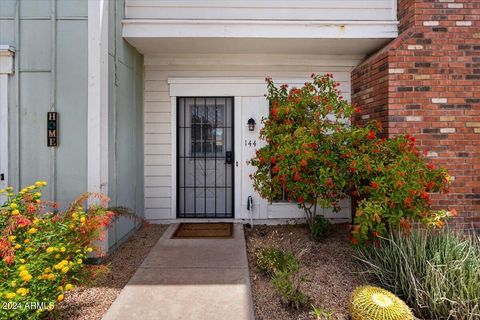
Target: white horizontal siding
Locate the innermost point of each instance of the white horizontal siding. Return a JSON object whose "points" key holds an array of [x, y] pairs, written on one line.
{"points": [[287, 210], [158, 130], [328, 10]]}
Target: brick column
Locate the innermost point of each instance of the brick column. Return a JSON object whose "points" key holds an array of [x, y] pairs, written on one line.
{"points": [[427, 83]]}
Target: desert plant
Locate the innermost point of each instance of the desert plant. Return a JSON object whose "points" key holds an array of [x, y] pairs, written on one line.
{"points": [[285, 271], [320, 313], [43, 251], [288, 285], [373, 303], [437, 272], [320, 228], [315, 156], [271, 260]]}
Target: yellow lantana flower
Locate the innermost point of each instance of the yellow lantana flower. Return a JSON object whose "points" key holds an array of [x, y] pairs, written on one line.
{"points": [[68, 287], [60, 297], [15, 212], [62, 249], [10, 295], [32, 230], [18, 246], [65, 269], [49, 250], [14, 206], [22, 291], [23, 273], [27, 278]]}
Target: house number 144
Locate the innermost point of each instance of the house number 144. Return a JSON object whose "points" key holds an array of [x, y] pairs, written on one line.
{"points": [[250, 143]]}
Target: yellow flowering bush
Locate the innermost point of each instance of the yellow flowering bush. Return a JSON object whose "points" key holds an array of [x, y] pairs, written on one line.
{"points": [[42, 250]]}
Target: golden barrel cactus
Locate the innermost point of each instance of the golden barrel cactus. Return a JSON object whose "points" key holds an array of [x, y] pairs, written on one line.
{"points": [[373, 303]]}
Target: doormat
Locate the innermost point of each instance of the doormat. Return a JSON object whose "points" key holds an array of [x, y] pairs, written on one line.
{"points": [[203, 230]]}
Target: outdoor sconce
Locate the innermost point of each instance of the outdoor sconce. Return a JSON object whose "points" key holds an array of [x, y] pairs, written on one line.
{"points": [[251, 124]]}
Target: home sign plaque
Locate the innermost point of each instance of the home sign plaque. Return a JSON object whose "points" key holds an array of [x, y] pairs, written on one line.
{"points": [[52, 129]]}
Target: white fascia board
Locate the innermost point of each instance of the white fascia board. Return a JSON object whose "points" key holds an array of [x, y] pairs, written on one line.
{"points": [[145, 28]]}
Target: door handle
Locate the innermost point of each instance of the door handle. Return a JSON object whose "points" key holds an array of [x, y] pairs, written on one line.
{"points": [[229, 157]]}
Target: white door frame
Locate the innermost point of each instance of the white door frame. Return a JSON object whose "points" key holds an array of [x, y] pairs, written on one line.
{"points": [[6, 69], [218, 87]]}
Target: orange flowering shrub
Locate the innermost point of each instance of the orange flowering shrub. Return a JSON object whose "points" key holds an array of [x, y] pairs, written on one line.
{"points": [[42, 250], [316, 157]]}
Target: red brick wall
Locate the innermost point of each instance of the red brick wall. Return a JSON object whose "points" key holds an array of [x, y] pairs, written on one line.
{"points": [[427, 83]]}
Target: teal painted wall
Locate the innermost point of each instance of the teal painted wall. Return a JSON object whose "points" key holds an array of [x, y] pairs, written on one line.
{"points": [[125, 125], [50, 39]]}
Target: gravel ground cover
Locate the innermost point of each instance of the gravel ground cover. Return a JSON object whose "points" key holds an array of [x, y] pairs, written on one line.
{"points": [[331, 274], [91, 302]]}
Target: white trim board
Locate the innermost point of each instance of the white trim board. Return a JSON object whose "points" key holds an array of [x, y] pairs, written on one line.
{"points": [[97, 109], [97, 96], [7, 54], [156, 28], [343, 62], [238, 87]]}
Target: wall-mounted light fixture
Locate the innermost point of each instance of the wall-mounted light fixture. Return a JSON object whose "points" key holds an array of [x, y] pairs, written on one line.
{"points": [[251, 124]]}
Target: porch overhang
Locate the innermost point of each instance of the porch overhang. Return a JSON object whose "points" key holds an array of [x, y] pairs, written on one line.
{"points": [[263, 36]]}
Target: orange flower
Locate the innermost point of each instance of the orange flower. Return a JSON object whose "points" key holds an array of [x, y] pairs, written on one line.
{"points": [[454, 212], [371, 135], [303, 163], [296, 176]]}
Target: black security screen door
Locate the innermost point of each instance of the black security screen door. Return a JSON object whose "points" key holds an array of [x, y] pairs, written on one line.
{"points": [[205, 157]]}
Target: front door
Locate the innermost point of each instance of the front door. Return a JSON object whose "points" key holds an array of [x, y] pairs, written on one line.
{"points": [[205, 157]]}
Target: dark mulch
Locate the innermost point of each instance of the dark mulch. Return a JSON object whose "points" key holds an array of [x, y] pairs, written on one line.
{"points": [[328, 266]]}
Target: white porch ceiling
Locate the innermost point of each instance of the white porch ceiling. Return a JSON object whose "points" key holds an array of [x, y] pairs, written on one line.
{"points": [[158, 36], [355, 47]]}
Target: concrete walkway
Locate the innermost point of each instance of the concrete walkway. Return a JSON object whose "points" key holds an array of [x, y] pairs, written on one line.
{"points": [[192, 279]]}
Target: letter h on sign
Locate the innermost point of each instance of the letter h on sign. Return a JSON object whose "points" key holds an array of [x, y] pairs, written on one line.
{"points": [[52, 129]]}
